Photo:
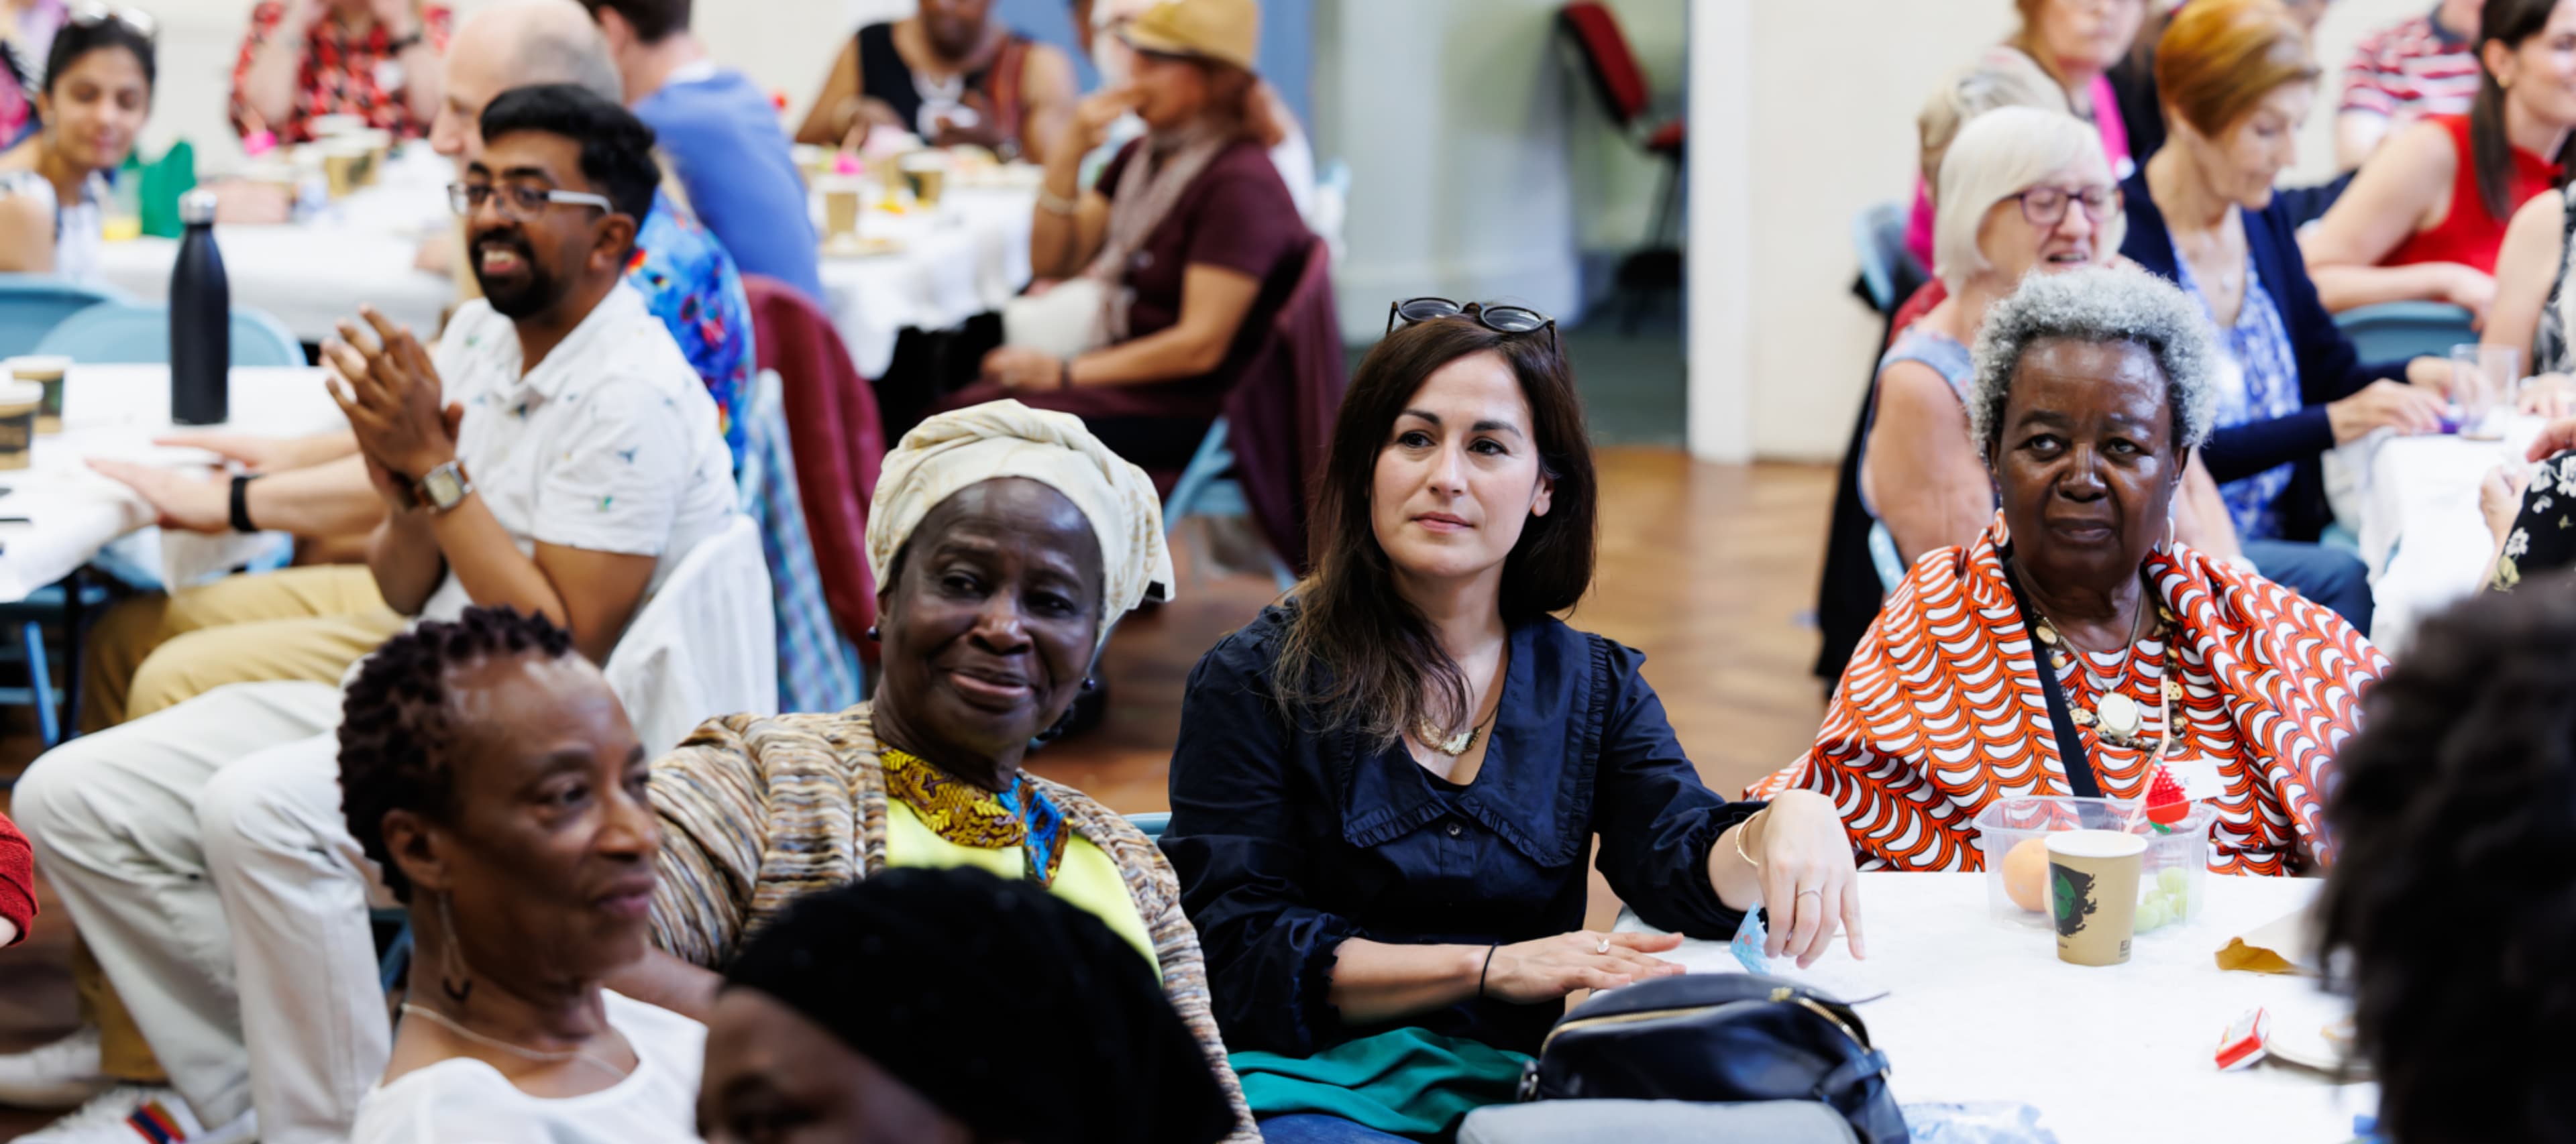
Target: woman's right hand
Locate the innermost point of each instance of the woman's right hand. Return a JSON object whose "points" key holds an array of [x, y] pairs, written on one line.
{"points": [[2500, 498], [1093, 117], [1530, 972], [2409, 409]]}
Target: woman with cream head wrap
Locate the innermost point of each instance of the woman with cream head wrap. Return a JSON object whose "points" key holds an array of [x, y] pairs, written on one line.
{"points": [[1006, 540]]}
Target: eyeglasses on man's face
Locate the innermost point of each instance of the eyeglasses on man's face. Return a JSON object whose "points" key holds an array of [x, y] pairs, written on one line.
{"points": [[520, 202]]}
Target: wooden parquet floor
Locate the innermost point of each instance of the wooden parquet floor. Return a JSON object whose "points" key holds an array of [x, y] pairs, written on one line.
{"points": [[1706, 568]]}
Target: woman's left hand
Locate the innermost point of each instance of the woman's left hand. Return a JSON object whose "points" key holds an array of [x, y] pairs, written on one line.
{"points": [[1020, 368], [1808, 879]]}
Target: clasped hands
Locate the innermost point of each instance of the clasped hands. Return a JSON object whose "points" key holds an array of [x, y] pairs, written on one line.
{"points": [[391, 394]]}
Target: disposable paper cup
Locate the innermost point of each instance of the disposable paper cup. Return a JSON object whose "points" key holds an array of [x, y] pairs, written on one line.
{"points": [[48, 372], [18, 402], [2093, 894]]}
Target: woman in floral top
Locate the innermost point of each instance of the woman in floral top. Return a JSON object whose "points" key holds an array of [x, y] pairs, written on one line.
{"points": [[375, 59], [2535, 527]]}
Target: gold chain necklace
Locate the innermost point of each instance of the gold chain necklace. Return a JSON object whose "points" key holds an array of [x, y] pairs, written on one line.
{"points": [[2114, 715]]}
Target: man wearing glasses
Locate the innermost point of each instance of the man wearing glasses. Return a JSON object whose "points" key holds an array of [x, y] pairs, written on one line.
{"points": [[556, 454]]}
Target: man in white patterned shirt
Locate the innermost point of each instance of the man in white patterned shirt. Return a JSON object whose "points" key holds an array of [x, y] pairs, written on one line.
{"points": [[558, 455]]}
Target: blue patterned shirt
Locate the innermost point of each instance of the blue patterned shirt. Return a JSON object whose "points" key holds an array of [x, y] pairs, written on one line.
{"points": [[689, 282], [2259, 381]]}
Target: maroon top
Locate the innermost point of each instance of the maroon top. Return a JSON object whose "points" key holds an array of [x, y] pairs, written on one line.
{"points": [[1237, 215], [17, 878]]}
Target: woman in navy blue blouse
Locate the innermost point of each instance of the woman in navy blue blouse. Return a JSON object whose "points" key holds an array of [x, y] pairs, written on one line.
{"points": [[1385, 788]]}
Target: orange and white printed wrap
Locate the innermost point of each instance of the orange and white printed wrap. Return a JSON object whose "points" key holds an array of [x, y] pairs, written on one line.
{"points": [[1941, 712]]}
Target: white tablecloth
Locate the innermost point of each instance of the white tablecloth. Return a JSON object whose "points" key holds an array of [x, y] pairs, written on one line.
{"points": [[115, 411], [1978, 1008], [968, 257], [312, 274], [2421, 532], [963, 259]]}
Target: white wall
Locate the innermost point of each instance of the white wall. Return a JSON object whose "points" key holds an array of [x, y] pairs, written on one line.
{"points": [[1828, 128], [1453, 116]]}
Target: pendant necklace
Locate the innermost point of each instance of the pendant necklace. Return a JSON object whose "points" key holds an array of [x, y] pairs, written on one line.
{"points": [[2116, 716]]}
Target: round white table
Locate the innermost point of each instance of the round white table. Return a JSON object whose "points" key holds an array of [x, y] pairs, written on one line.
{"points": [[944, 266], [70, 513], [311, 275], [966, 258], [2422, 535], [1979, 1008]]}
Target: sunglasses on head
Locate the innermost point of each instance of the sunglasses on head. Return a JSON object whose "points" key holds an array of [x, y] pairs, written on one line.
{"points": [[91, 13], [1498, 318]]}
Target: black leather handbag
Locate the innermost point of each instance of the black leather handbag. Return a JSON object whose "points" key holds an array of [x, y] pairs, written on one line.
{"points": [[1719, 1038]]}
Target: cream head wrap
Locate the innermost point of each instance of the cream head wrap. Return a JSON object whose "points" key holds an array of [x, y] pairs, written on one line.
{"points": [[944, 455]]}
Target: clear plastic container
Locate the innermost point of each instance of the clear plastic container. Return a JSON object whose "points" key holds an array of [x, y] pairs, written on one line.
{"points": [[2172, 888]]}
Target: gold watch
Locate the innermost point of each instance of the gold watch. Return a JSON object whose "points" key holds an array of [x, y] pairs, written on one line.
{"points": [[444, 487]]}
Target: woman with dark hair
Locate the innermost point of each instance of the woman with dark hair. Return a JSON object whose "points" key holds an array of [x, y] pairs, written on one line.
{"points": [[2459, 794], [97, 93], [1386, 786], [808, 1040], [487, 769], [2426, 215], [1175, 263]]}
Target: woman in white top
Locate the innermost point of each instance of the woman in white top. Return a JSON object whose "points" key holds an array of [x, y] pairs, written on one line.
{"points": [[97, 93], [486, 767]]}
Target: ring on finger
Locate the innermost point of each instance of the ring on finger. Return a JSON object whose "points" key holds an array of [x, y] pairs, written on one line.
{"points": [[1820, 894], [1604, 947]]}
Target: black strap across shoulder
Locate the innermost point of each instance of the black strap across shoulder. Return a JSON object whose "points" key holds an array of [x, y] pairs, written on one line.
{"points": [[2070, 745]]}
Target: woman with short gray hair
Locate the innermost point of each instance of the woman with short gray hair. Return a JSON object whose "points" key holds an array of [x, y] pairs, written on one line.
{"points": [[2163, 669]]}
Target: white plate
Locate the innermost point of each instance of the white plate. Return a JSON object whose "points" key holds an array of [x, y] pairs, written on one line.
{"points": [[2299, 1024]]}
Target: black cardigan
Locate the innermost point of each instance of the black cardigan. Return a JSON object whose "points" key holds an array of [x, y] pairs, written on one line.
{"points": [[2329, 368]]}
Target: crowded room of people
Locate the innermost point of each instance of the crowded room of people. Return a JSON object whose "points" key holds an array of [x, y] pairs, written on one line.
{"points": [[1290, 571]]}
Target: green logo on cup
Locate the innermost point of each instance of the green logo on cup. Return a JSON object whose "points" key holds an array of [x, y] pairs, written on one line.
{"points": [[2072, 891]]}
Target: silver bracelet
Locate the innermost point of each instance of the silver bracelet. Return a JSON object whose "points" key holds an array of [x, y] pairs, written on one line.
{"points": [[1055, 204]]}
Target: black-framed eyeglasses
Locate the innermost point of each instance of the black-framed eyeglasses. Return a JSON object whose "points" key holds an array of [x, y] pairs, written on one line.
{"points": [[518, 201], [2046, 206], [91, 13], [1500, 319]]}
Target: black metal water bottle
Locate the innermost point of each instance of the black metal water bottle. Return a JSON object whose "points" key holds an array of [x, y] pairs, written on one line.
{"points": [[201, 325]]}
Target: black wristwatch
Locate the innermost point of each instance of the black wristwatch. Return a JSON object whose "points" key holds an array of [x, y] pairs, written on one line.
{"points": [[241, 502]]}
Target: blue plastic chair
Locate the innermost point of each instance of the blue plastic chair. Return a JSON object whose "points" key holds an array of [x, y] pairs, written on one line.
{"points": [[1208, 488], [1878, 236], [131, 333], [31, 305], [1152, 824], [2396, 331]]}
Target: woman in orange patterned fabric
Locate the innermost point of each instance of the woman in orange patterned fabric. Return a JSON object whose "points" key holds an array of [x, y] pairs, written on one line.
{"points": [[2093, 389]]}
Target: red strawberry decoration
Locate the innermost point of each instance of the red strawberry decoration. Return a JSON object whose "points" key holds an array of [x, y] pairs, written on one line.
{"points": [[2166, 805]]}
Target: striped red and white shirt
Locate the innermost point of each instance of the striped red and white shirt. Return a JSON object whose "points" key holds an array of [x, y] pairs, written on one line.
{"points": [[2410, 69]]}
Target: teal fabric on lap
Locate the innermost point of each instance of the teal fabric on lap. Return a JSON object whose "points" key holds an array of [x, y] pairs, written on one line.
{"points": [[1409, 1081]]}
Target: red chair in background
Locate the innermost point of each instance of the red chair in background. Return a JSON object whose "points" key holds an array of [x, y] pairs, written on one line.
{"points": [[1594, 32], [839, 440]]}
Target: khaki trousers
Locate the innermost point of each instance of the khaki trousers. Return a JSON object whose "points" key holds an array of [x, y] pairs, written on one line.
{"points": [[155, 652]]}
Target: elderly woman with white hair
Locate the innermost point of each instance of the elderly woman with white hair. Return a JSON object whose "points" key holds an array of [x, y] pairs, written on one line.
{"points": [[2093, 390], [2023, 191], [1006, 542]]}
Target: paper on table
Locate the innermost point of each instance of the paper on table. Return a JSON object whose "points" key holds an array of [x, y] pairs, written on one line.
{"points": [[2282, 946]]}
